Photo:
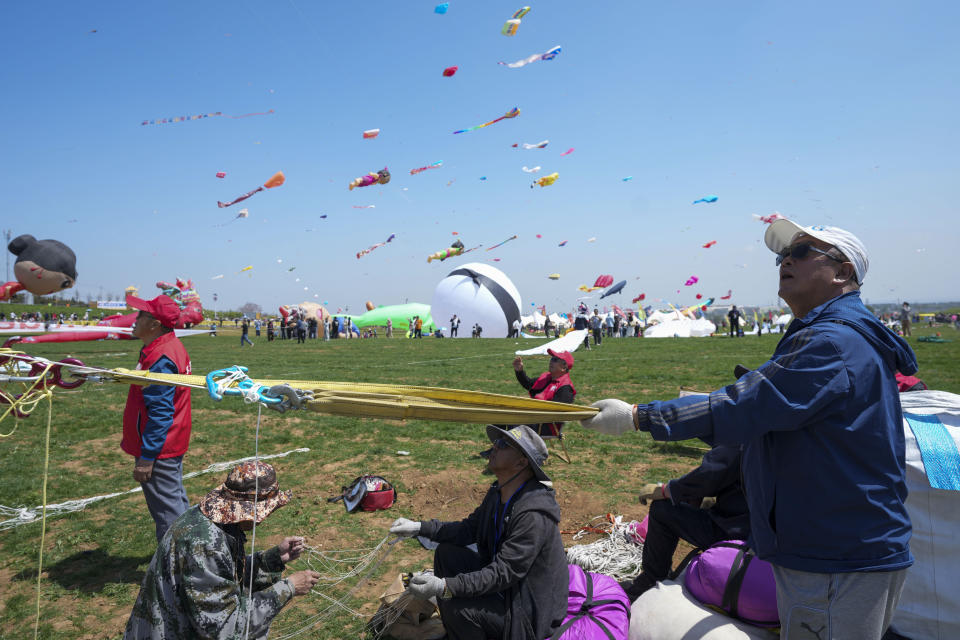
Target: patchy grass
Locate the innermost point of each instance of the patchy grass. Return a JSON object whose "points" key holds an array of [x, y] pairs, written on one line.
{"points": [[94, 560]]}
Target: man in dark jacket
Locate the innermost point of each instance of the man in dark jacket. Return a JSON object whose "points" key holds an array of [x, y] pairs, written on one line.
{"points": [[823, 444], [515, 585], [675, 513]]}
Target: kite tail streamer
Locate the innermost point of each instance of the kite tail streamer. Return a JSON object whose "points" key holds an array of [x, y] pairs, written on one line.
{"points": [[240, 199]]}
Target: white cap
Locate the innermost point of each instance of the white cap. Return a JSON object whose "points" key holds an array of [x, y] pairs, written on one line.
{"points": [[781, 233]]}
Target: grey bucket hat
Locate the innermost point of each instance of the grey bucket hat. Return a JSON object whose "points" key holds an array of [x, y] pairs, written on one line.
{"points": [[527, 441]]}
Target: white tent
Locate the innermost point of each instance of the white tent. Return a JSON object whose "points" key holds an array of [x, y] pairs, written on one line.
{"points": [[682, 328], [782, 320]]}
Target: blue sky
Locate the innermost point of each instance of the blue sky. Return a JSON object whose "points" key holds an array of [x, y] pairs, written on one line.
{"points": [[831, 113]]}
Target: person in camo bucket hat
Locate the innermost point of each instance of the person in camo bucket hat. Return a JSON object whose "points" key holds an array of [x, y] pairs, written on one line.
{"points": [[248, 483], [198, 582]]}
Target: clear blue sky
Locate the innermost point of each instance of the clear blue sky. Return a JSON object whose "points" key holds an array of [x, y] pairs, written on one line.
{"points": [[835, 113]]}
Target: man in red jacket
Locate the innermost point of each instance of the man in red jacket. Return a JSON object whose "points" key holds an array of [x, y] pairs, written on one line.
{"points": [[554, 384], [156, 420]]}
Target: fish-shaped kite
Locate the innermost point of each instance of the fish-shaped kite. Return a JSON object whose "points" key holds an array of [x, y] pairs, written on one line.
{"points": [[275, 180], [364, 252], [627, 179], [535, 145], [567, 152], [563, 244], [692, 280], [449, 71], [435, 165], [554, 276], [441, 8], [546, 181], [549, 54], [617, 288], [709, 244], [245, 269], [706, 199], [379, 177], [513, 113]]}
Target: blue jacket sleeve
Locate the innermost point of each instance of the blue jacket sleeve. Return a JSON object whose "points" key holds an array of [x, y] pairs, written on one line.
{"points": [[158, 400], [799, 384]]}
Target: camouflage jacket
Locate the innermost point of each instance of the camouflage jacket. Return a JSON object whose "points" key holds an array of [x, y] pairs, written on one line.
{"points": [[193, 586]]}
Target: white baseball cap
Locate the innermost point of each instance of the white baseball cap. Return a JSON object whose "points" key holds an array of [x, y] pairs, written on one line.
{"points": [[781, 233]]}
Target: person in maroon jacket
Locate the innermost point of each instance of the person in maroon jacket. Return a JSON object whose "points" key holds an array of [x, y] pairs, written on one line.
{"points": [[554, 384], [156, 419]]}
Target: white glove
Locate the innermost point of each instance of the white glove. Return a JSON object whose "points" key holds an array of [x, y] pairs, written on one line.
{"points": [[425, 585], [615, 417], [405, 528]]}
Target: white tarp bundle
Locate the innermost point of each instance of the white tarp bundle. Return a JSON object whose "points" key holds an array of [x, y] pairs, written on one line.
{"points": [[569, 342], [930, 605]]}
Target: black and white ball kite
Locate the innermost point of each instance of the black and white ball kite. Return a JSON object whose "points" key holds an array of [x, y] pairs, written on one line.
{"points": [[478, 294]]}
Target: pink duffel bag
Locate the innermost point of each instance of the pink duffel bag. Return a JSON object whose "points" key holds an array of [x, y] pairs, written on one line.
{"points": [[729, 576], [597, 608]]}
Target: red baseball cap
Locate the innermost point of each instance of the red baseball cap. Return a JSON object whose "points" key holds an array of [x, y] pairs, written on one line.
{"points": [[163, 308], [566, 356]]}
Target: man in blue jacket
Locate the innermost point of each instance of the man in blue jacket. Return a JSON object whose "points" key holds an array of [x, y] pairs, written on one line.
{"points": [[823, 446]]}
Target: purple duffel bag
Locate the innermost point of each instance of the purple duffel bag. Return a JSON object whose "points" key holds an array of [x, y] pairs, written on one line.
{"points": [[597, 608], [729, 576]]}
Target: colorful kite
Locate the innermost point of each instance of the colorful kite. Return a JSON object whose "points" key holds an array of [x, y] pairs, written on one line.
{"points": [[770, 218], [441, 8], [449, 71], [529, 170], [563, 244], [371, 133], [360, 254], [454, 249], [554, 276], [201, 116], [602, 282], [379, 177], [709, 244], [510, 26], [221, 174], [549, 54], [727, 297], [500, 244], [536, 145], [627, 179], [435, 165], [567, 152], [275, 180], [245, 269], [513, 113], [639, 298], [699, 296], [546, 181], [706, 199], [692, 280]]}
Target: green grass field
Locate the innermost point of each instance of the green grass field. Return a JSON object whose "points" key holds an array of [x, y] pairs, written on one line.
{"points": [[95, 559]]}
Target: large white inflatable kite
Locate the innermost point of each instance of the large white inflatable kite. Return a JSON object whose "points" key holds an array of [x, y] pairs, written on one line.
{"points": [[478, 294]]}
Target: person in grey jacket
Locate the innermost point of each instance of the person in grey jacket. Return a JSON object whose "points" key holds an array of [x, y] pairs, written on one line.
{"points": [[515, 585]]}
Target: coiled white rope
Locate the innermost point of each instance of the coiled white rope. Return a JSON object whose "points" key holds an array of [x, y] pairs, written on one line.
{"points": [[619, 555]]}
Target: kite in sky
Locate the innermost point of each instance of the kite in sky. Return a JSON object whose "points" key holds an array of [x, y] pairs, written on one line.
{"points": [[200, 116], [563, 244], [454, 249], [692, 280], [500, 244], [435, 165], [510, 26], [768, 219], [529, 170], [371, 133], [601, 282], [364, 252], [364, 206], [245, 269], [441, 8], [535, 145], [727, 297], [706, 199], [449, 71], [709, 244], [593, 239], [217, 277], [221, 174], [513, 113], [554, 276], [627, 179], [546, 181], [275, 180], [617, 288], [639, 297], [379, 177], [567, 152], [549, 54]]}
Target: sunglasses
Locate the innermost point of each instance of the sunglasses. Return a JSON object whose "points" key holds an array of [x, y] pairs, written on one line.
{"points": [[801, 251], [502, 443]]}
